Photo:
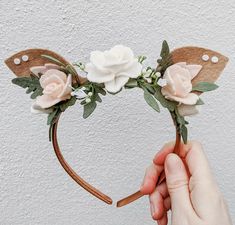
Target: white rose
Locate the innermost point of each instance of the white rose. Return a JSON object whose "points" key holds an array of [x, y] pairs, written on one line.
{"points": [[179, 86], [113, 67]]}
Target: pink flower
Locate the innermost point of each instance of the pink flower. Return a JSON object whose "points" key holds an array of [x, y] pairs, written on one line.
{"points": [[179, 84], [39, 70], [56, 88]]}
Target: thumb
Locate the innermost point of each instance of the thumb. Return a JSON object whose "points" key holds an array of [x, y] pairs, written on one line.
{"points": [[177, 184]]}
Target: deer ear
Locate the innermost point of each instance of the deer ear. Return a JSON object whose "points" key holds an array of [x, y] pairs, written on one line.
{"points": [[21, 62], [212, 62]]}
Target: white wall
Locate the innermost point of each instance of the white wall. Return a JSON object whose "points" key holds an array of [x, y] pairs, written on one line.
{"points": [[112, 148]]}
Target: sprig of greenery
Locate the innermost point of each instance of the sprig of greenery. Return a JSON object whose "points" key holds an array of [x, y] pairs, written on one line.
{"points": [[205, 86], [165, 60], [90, 106], [148, 96], [31, 83]]}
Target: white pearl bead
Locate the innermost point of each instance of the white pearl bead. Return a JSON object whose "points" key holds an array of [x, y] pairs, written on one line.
{"points": [[25, 58], [17, 61], [205, 58], [214, 59]]}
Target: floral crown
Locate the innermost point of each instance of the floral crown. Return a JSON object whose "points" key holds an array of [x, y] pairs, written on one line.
{"points": [[175, 83]]}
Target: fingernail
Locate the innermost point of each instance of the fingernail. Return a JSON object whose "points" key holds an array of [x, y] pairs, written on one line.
{"points": [[152, 208], [173, 163]]}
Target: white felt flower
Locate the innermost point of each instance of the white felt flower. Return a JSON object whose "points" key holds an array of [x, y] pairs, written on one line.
{"points": [[179, 84], [113, 67]]}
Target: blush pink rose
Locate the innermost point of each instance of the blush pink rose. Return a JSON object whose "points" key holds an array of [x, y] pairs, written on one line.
{"points": [[179, 85], [56, 88]]}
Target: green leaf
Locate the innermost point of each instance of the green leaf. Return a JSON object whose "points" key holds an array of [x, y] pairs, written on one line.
{"points": [[131, 83], [166, 59], [97, 98], [53, 116], [170, 105], [56, 61], [200, 102], [50, 132], [184, 133], [165, 50], [31, 83], [151, 101], [205, 86], [150, 88], [179, 119], [99, 89], [89, 109], [65, 104]]}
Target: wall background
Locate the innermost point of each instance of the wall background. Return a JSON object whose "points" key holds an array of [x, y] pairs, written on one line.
{"points": [[124, 133]]}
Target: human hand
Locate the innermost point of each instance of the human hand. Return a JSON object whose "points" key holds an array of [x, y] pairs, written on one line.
{"points": [[190, 190]]}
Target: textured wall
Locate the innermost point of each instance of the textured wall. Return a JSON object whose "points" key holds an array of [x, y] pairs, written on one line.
{"points": [[112, 148]]}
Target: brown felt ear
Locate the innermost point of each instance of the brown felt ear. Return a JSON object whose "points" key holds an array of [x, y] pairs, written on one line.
{"points": [[212, 62], [21, 62]]}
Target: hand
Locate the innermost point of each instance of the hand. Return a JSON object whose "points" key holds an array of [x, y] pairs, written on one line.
{"points": [[190, 190]]}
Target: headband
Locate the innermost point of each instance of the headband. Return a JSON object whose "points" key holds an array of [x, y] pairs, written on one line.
{"points": [[175, 83]]}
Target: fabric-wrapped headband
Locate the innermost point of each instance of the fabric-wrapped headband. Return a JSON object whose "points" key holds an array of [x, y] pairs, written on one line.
{"points": [[176, 83]]}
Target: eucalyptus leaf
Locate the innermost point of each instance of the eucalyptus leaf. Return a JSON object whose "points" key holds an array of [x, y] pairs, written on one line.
{"points": [[53, 116], [65, 104], [150, 88], [184, 133], [205, 86], [131, 83], [89, 109], [151, 101], [97, 98], [31, 83], [99, 89], [179, 119], [165, 50], [200, 102], [170, 105]]}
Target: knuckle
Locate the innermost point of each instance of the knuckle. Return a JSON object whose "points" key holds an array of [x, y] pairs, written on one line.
{"points": [[177, 185]]}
